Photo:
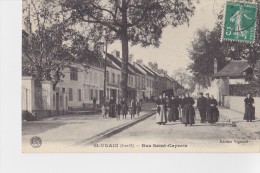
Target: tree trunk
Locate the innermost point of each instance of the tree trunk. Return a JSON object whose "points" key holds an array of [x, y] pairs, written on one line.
{"points": [[124, 42]]}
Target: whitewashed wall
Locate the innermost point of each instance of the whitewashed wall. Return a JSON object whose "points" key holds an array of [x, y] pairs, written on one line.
{"points": [[237, 103]]}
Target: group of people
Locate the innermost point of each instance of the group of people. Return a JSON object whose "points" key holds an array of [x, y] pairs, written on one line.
{"points": [[117, 108], [181, 108]]}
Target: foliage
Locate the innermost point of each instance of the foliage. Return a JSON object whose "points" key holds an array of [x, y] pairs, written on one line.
{"points": [[136, 21], [184, 78], [208, 46], [49, 44]]}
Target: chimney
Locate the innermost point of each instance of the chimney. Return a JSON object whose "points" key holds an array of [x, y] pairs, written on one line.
{"points": [[100, 47], [139, 61], [116, 53], [215, 66], [153, 65], [131, 58]]}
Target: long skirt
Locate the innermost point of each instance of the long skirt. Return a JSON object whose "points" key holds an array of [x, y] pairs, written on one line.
{"points": [[161, 116], [212, 115], [124, 110], [208, 109], [249, 112], [112, 111], [138, 109], [173, 114], [180, 112], [188, 114]]}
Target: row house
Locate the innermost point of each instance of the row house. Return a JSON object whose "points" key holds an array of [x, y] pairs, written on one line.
{"points": [[131, 84], [149, 80], [83, 83], [113, 79]]}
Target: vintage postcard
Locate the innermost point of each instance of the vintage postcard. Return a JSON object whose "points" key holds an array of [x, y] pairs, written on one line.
{"points": [[140, 76]]}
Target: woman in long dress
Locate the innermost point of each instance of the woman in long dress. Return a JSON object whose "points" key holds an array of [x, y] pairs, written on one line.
{"points": [[118, 109], [174, 111], [188, 110], [112, 110], [124, 108], [138, 107], [180, 105], [132, 108], [213, 113], [161, 110], [249, 108]]}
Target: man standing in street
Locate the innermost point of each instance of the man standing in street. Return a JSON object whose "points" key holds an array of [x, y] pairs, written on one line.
{"points": [[201, 106], [208, 100]]}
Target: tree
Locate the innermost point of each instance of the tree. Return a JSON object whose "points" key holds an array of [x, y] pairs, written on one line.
{"points": [[184, 78], [208, 46], [49, 44], [135, 21], [205, 48]]}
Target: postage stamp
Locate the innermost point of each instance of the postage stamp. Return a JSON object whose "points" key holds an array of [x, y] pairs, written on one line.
{"points": [[239, 22]]}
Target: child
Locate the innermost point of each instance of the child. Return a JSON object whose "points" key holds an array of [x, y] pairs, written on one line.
{"points": [[104, 111]]}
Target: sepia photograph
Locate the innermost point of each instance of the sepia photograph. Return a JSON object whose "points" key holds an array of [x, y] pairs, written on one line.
{"points": [[140, 76]]}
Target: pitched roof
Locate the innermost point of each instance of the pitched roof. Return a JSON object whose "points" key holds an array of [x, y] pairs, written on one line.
{"points": [[112, 65], [146, 70], [235, 69], [131, 69], [152, 71]]}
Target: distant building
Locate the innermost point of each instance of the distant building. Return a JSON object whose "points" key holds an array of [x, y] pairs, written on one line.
{"points": [[233, 79]]}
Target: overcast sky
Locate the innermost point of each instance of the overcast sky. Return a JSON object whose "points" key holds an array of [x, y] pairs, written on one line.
{"points": [[172, 53]]}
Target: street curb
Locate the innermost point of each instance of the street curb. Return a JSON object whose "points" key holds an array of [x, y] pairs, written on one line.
{"points": [[240, 127], [110, 132]]}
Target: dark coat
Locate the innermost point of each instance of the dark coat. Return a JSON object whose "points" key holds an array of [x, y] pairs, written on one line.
{"points": [[249, 109], [174, 111], [118, 108], [124, 107], [188, 112], [201, 103], [138, 106], [112, 108], [213, 113], [132, 107]]}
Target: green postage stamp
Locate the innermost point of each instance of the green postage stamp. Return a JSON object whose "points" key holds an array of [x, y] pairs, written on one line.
{"points": [[239, 22]]}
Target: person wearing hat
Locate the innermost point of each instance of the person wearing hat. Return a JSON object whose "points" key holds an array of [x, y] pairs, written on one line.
{"points": [[201, 106], [188, 111], [208, 100]]}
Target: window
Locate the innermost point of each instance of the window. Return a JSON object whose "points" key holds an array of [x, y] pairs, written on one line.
{"points": [[96, 94], [91, 94], [61, 101], [63, 90], [118, 78], [113, 78], [107, 77], [107, 94], [79, 93], [90, 77], [95, 77], [73, 74], [66, 101], [53, 100], [85, 94], [70, 94]]}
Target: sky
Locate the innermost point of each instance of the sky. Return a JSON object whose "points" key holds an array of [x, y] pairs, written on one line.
{"points": [[172, 53]]}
